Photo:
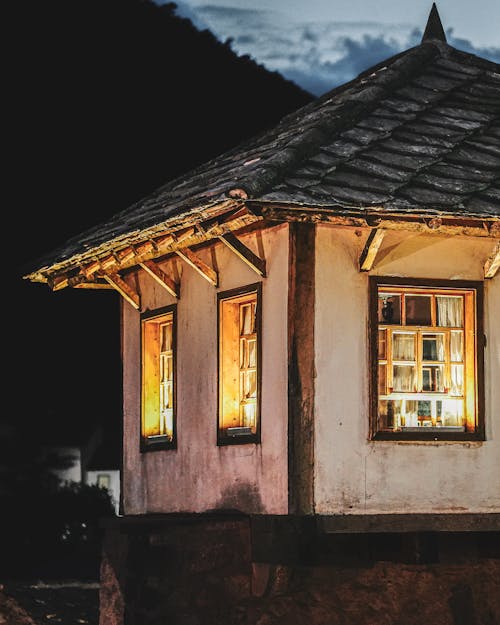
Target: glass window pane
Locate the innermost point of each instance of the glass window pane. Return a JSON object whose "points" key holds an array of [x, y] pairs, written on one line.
{"points": [[457, 380], [433, 378], [252, 353], [389, 414], [404, 378], [246, 319], [243, 353], [248, 415], [453, 412], [382, 379], [389, 308], [403, 346], [424, 413], [418, 310], [433, 347], [409, 413], [450, 311], [166, 337], [382, 344], [251, 384], [457, 346]]}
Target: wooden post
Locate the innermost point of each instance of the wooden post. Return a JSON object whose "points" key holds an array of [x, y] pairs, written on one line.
{"points": [[301, 294]]}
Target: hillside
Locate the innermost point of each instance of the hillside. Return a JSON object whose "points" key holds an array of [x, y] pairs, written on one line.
{"points": [[105, 101]]}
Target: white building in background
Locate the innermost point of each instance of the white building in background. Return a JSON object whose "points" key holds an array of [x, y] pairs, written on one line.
{"points": [[86, 461]]}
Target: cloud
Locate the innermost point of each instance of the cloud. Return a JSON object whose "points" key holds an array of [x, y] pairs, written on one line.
{"points": [[490, 53], [317, 56]]}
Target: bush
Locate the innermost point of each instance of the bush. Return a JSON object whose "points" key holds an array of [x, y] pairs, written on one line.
{"points": [[56, 533]]}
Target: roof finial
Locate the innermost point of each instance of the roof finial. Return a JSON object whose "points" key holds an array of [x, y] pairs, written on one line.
{"points": [[434, 28]]}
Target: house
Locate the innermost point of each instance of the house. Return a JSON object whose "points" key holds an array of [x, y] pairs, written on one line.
{"points": [[103, 470], [66, 454], [310, 347], [84, 455]]}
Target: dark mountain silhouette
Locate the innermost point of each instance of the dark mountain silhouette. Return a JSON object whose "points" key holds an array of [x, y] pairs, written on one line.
{"points": [[114, 97], [105, 101]]}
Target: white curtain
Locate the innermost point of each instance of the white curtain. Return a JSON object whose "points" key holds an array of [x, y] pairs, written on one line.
{"points": [[403, 346], [450, 311]]}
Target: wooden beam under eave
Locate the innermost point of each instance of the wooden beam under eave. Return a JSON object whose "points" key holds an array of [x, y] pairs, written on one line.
{"points": [[58, 283], [126, 291], [371, 249], [245, 253], [161, 277], [492, 264], [93, 285], [196, 263]]}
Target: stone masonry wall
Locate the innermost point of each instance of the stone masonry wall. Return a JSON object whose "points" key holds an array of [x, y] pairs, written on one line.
{"points": [[202, 570]]}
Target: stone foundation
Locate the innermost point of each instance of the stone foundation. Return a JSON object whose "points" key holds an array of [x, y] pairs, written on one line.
{"points": [[234, 569]]}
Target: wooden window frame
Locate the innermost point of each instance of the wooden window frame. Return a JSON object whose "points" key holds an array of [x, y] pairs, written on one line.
{"points": [[221, 297], [373, 326], [146, 444]]}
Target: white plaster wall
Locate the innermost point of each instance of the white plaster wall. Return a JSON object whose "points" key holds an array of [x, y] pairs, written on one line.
{"points": [[199, 475], [353, 474], [114, 483]]}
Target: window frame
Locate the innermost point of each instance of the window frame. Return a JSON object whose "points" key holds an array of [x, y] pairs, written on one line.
{"points": [[245, 439], [373, 326], [145, 444]]}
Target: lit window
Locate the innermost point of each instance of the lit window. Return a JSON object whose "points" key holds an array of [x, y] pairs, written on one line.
{"points": [[158, 379], [103, 480], [239, 369], [426, 359]]}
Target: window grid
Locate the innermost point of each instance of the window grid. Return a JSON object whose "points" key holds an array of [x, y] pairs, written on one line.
{"points": [[427, 373], [239, 357]]}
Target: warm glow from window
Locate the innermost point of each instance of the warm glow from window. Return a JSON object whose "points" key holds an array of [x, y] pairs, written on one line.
{"points": [[238, 366], [158, 410], [426, 359]]}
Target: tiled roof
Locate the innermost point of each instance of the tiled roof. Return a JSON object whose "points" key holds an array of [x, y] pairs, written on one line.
{"points": [[418, 133]]}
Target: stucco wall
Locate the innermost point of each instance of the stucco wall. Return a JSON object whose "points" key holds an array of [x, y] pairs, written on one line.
{"points": [[199, 475], [353, 474]]}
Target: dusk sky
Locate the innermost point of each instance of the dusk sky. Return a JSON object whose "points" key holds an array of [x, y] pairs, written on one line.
{"points": [[320, 44]]}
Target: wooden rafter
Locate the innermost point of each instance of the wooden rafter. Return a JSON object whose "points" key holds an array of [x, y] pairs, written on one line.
{"points": [[93, 285], [185, 233], [371, 248], [126, 291], [242, 251], [159, 241], [91, 268], [58, 283], [492, 264], [196, 263], [161, 277]]}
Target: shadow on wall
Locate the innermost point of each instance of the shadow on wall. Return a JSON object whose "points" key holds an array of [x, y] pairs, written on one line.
{"points": [[240, 497]]}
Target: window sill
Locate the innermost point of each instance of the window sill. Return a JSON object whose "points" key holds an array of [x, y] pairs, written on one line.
{"points": [[430, 435], [157, 444], [238, 440]]}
